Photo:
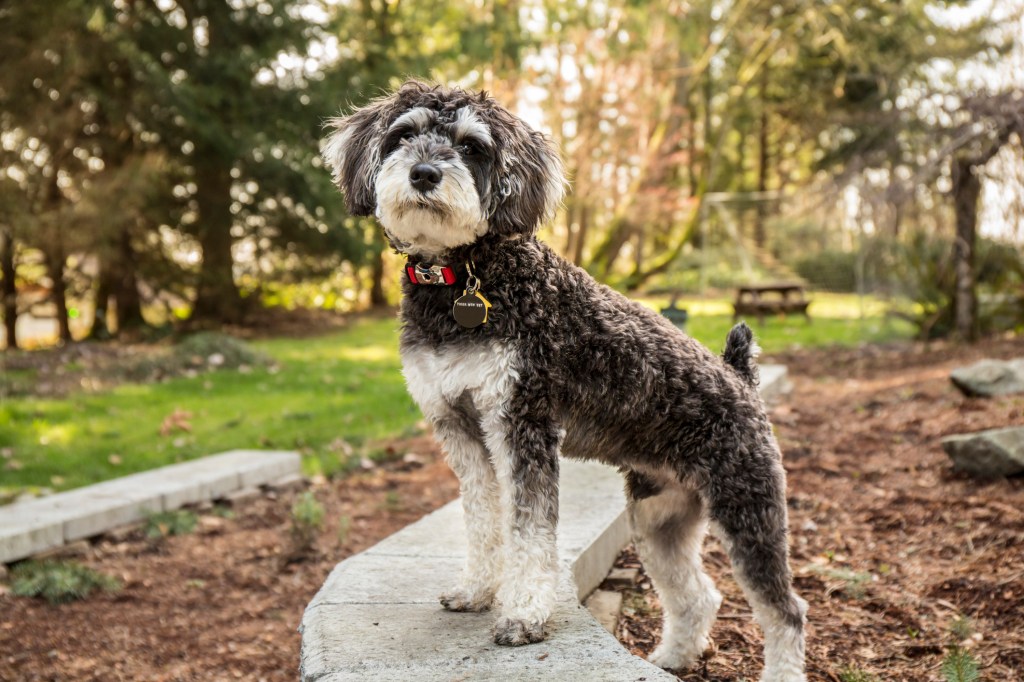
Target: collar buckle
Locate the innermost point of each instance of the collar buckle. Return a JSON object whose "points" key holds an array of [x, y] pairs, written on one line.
{"points": [[425, 273]]}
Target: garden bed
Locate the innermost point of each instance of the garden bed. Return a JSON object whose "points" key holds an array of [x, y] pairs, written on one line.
{"points": [[889, 547]]}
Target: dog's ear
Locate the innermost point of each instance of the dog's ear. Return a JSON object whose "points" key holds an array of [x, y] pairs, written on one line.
{"points": [[352, 152], [530, 184]]}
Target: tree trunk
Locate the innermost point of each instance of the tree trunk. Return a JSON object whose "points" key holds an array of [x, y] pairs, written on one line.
{"points": [[377, 275], [217, 298], [762, 172], [8, 288], [581, 234], [104, 290], [54, 262], [966, 190], [126, 291]]}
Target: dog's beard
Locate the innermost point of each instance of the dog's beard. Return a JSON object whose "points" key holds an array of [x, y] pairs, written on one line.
{"points": [[429, 224]]}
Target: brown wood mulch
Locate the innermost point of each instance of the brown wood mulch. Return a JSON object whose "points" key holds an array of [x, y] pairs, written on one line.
{"points": [[889, 547]]}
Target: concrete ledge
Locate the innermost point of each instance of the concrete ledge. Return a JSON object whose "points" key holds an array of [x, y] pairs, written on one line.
{"points": [[377, 615], [34, 526]]}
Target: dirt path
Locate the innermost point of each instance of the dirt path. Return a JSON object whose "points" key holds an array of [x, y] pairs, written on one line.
{"points": [[889, 547]]}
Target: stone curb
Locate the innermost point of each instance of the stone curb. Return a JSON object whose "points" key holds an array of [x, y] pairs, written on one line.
{"points": [[377, 615], [34, 526]]}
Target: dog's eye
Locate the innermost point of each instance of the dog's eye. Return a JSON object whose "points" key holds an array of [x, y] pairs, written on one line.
{"points": [[470, 149], [408, 134]]}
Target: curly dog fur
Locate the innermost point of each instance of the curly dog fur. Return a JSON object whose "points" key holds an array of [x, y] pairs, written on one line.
{"points": [[564, 365]]}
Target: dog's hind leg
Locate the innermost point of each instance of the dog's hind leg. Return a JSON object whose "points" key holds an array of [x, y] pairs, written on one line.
{"points": [[668, 529], [749, 516], [459, 432]]}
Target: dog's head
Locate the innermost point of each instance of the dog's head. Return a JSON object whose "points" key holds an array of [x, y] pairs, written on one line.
{"points": [[441, 168]]}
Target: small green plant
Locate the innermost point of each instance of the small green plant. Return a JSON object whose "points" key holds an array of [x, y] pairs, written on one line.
{"points": [[852, 674], [223, 511], [392, 501], [961, 628], [59, 582], [852, 583], [344, 526], [165, 524], [959, 666], [307, 522]]}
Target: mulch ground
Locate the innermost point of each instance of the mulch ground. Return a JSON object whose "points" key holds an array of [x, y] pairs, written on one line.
{"points": [[889, 547]]}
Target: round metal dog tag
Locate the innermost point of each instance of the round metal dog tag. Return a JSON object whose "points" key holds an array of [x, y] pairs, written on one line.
{"points": [[470, 310]]}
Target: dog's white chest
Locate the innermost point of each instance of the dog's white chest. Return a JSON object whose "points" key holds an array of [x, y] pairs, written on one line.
{"points": [[437, 380]]}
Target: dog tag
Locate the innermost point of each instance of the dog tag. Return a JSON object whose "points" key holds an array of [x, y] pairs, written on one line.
{"points": [[470, 310]]}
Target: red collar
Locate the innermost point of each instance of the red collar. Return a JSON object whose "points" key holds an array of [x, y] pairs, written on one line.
{"points": [[425, 273]]}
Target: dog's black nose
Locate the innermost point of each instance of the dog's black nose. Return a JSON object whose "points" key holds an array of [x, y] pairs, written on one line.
{"points": [[425, 176]]}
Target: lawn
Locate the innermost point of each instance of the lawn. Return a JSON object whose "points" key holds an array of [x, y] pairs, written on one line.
{"points": [[334, 398], [329, 397]]}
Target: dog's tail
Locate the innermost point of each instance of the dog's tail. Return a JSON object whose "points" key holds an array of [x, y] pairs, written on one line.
{"points": [[741, 352]]}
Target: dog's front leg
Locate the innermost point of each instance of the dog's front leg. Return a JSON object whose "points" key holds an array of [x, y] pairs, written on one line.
{"points": [[463, 443], [525, 455]]}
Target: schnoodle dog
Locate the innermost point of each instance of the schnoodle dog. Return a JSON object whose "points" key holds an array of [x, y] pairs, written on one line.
{"points": [[516, 356]]}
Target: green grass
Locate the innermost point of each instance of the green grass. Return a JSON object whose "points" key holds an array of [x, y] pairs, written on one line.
{"points": [[837, 320], [345, 385]]}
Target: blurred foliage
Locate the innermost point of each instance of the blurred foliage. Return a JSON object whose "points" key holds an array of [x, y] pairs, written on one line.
{"points": [[165, 524], [59, 582], [307, 521], [161, 158], [200, 352]]}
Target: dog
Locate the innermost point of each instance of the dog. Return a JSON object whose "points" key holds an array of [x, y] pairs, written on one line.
{"points": [[516, 356]]}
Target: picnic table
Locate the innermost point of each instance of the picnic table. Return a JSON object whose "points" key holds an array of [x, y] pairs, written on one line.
{"points": [[774, 298]]}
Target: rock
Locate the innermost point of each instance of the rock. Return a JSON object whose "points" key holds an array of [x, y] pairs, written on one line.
{"points": [[289, 482], [242, 495], [72, 550], [990, 378], [623, 577], [988, 454], [605, 606]]}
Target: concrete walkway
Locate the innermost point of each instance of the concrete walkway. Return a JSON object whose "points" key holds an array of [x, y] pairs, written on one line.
{"points": [[377, 616], [34, 526]]}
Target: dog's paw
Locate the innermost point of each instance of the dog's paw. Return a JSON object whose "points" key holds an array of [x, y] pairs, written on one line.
{"points": [[461, 600], [677, 657], [512, 632]]}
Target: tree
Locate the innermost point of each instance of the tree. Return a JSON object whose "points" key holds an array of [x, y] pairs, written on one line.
{"points": [[234, 112]]}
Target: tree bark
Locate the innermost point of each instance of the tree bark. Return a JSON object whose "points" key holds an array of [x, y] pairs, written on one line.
{"points": [[763, 160], [581, 234], [966, 190], [54, 262], [8, 288], [217, 298], [104, 290], [377, 275], [126, 291]]}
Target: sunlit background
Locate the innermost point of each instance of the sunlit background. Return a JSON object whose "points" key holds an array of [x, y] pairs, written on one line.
{"points": [[160, 159]]}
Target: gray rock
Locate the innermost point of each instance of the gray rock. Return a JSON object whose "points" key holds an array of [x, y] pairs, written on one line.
{"points": [[988, 454], [990, 378], [605, 606]]}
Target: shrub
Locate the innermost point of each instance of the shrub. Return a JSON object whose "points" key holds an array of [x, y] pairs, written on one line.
{"points": [[217, 351], [307, 522], [830, 270], [959, 666], [59, 582], [164, 524], [199, 352]]}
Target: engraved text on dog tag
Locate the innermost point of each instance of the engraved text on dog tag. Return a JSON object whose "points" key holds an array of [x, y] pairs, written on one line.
{"points": [[470, 310]]}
